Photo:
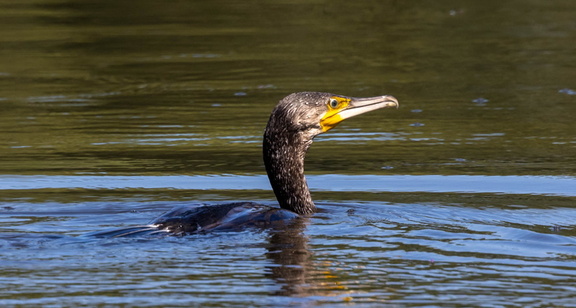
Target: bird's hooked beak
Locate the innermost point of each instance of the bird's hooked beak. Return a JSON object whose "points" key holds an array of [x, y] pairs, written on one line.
{"points": [[341, 108]]}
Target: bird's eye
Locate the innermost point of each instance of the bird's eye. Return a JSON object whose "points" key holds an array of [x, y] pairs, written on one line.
{"points": [[333, 103]]}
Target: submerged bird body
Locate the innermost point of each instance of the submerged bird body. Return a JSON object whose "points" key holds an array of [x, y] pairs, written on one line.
{"points": [[292, 126], [223, 217]]}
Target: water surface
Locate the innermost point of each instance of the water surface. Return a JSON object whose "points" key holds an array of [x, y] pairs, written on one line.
{"points": [[113, 112]]}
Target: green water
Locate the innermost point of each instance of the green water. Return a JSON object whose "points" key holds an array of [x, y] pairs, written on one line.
{"points": [[113, 112]]}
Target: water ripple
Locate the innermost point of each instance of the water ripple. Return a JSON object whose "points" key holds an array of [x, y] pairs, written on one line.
{"points": [[532, 185]]}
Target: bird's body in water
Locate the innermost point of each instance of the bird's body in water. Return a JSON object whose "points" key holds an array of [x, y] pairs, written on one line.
{"points": [[292, 126]]}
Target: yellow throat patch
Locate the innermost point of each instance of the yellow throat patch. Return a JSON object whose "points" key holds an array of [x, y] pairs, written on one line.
{"points": [[331, 118]]}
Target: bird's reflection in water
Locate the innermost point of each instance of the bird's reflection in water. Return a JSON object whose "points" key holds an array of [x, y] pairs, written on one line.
{"points": [[294, 268], [290, 255]]}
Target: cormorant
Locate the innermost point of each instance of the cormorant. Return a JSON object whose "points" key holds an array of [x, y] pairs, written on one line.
{"points": [[292, 126]]}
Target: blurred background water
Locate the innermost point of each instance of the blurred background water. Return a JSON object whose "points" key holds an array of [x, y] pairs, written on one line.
{"points": [[113, 112]]}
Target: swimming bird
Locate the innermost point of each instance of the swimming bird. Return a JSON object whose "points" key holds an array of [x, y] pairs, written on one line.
{"points": [[293, 124]]}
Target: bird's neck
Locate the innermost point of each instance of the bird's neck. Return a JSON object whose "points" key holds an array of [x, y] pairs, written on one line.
{"points": [[284, 153]]}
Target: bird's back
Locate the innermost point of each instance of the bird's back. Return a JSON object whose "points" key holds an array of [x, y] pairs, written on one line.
{"points": [[210, 218]]}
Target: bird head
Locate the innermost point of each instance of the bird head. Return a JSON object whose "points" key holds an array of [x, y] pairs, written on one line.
{"points": [[314, 112]]}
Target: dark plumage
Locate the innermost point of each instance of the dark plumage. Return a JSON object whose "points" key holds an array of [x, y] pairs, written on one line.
{"points": [[292, 126]]}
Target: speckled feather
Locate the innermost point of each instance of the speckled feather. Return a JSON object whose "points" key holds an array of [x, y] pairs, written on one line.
{"points": [[290, 131]]}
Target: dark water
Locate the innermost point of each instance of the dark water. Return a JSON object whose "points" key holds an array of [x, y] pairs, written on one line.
{"points": [[113, 112]]}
